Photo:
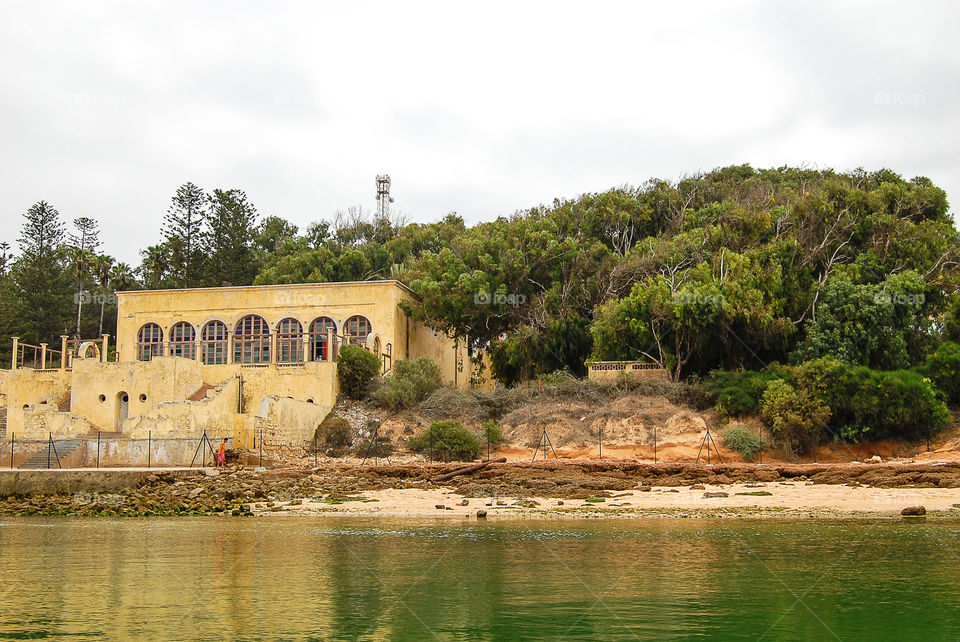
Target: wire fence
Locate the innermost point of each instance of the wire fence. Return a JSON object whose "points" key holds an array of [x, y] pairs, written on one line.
{"points": [[114, 452]]}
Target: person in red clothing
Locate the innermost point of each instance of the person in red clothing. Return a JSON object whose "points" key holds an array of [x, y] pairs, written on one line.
{"points": [[222, 453]]}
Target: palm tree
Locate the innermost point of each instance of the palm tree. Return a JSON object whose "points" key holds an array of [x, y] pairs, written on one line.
{"points": [[155, 263], [102, 266], [122, 278], [81, 260]]}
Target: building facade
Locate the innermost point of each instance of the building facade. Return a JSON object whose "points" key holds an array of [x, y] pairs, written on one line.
{"points": [[231, 361]]}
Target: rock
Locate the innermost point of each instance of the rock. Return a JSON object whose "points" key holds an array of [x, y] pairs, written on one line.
{"points": [[876, 459], [195, 493], [715, 493], [296, 502], [913, 511], [465, 502], [211, 472], [481, 514], [697, 487], [645, 489], [560, 503], [440, 507], [260, 469]]}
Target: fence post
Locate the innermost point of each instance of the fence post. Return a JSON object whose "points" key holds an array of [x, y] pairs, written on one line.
{"points": [[315, 456], [654, 443], [261, 448], [12, 437], [98, 449], [149, 446], [49, 444], [600, 441]]}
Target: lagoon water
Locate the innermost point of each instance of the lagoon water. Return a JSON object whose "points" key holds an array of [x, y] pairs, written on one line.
{"points": [[344, 578]]}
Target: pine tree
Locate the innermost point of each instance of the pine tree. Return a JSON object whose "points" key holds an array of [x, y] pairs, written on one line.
{"points": [[41, 283], [185, 235], [231, 226]]}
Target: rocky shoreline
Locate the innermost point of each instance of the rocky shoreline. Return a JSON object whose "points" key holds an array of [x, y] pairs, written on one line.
{"points": [[532, 487]]}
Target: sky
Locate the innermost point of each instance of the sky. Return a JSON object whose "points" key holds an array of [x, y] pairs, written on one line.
{"points": [[478, 108]]}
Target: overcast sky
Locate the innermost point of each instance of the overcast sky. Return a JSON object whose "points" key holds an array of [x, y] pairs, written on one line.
{"points": [[480, 108]]}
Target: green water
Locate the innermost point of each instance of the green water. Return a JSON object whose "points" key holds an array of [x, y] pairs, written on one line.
{"points": [[335, 578]]}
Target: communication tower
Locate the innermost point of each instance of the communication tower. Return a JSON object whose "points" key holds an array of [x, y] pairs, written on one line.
{"points": [[383, 196]]}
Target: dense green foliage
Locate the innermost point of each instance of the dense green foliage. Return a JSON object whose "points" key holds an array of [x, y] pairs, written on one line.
{"points": [[410, 383], [724, 272], [742, 440], [943, 369], [828, 399], [447, 440], [356, 369]]}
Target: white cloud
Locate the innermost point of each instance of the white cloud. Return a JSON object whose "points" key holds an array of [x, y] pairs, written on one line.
{"points": [[484, 109]]}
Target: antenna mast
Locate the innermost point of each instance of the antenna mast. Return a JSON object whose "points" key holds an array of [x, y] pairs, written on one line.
{"points": [[383, 196]]}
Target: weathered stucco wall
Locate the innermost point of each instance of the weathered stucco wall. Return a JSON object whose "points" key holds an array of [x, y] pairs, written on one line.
{"points": [[614, 370], [314, 382], [27, 387], [97, 388], [375, 300], [42, 420], [215, 414], [286, 421]]}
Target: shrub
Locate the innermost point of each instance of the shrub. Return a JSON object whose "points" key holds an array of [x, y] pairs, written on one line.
{"points": [[382, 447], [333, 435], [739, 393], [448, 440], [410, 383], [492, 433], [796, 418], [742, 440], [356, 368], [943, 369]]}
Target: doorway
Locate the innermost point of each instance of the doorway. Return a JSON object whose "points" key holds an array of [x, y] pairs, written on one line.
{"points": [[123, 409]]}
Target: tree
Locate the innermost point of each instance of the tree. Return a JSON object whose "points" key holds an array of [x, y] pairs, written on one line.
{"points": [[231, 224], [184, 232], [41, 283], [84, 241], [102, 266], [356, 368], [155, 264]]}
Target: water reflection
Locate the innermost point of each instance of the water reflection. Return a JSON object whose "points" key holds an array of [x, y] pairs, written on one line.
{"points": [[338, 578]]}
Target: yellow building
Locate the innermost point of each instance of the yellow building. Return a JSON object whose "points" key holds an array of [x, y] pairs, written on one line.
{"points": [[232, 361]]}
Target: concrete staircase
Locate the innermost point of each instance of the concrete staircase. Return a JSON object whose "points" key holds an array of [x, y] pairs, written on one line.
{"points": [[3, 422], [39, 460]]}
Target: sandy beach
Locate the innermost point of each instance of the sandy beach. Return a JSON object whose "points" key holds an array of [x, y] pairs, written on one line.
{"points": [[782, 499]]}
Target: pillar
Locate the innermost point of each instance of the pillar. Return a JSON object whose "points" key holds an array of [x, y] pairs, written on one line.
{"points": [[229, 347], [63, 352], [13, 358], [307, 355], [43, 356], [104, 344], [273, 348], [331, 348]]}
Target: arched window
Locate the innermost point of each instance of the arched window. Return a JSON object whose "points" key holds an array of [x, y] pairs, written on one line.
{"points": [[251, 341], [289, 341], [182, 338], [213, 343], [149, 342], [319, 351], [356, 330]]}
